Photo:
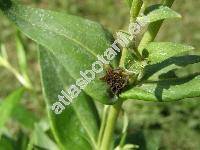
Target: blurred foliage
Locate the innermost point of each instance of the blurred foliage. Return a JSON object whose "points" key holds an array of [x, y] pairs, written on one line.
{"points": [[177, 123]]}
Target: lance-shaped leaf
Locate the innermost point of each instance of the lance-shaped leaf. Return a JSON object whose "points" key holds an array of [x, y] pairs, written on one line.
{"points": [[166, 81], [159, 12], [77, 126], [160, 51], [75, 42], [166, 90]]}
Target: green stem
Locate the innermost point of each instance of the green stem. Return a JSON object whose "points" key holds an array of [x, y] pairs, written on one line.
{"points": [[103, 124], [106, 139], [123, 58], [135, 9], [153, 29], [110, 125]]}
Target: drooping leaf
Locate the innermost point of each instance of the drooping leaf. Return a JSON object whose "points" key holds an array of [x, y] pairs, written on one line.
{"points": [[8, 104], [77, 126], [74, 41], [160, 12], [159, 51]]}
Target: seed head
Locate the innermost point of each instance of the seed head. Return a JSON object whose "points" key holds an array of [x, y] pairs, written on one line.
{"points": [[117, 79]]}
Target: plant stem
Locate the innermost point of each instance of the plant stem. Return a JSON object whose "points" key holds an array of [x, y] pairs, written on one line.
{"points": [[135, 9], [103, 124], [110, 126], [153, 29], [123, 58], [106, 139]]}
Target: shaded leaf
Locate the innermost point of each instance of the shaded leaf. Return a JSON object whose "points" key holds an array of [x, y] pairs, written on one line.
{"points": [[77, 127]]}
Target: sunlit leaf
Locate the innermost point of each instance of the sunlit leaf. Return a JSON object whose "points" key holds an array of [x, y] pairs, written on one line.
{"points": [[160, 12], [74, 42], [159, 51]]}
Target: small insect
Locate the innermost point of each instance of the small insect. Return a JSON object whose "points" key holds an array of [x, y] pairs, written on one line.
{"points": [[117, 79]]}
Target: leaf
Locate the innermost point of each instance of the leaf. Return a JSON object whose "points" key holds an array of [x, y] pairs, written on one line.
{"points": [[165, 90], [22, 61], [77, 127], [160, 12], [8, 105], [21, 56], [159, 51], [40, 139], [170, 67], [163, 82], [74, 42]]}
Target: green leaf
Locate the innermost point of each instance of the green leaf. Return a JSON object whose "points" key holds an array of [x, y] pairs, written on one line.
{"points": [[40, 139], [22, 61], [77, 127], [166, 81], [159, 51], [165, 90], [21, 56], [160, 12], [188, 70], [8, 105], [74, 42]]}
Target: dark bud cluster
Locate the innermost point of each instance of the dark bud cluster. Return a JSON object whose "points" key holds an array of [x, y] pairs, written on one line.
{"points": [[117, 79]]}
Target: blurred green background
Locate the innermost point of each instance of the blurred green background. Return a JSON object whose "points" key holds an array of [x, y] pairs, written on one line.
{"points": [[175, 126]]}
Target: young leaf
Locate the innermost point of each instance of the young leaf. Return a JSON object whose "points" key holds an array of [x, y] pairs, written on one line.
{"points": [[22, 61], [21, 56], [159, 51], [77, 127], [74, 42], [160, 12]]}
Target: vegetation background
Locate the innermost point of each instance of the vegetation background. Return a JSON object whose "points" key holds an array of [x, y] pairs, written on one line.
{"points": [[175, 126]]}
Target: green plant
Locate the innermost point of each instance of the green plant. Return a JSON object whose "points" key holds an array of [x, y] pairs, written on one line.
{"points": [[65, 41]]}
